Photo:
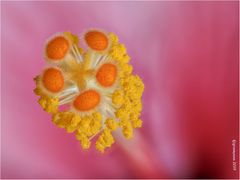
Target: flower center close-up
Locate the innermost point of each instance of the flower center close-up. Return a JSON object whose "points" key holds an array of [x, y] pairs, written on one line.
{"points": [[90, 91]]}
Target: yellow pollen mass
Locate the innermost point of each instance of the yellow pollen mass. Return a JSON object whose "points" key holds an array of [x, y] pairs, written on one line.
{"points": [[96, 40], [87, 100], [106, 75], [57, 48], [53, 80]]}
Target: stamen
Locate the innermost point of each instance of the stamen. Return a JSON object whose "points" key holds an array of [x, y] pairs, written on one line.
{"points": [[102, 59], [67, 99], [96, 60], [76, 53], [69, 90], [68, 94], [90, 138]]}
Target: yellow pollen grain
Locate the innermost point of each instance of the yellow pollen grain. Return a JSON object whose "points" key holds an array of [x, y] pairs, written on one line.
{"points": [[87, 100], [96, 40], [57, 48], [53, 80], [107, 74]]}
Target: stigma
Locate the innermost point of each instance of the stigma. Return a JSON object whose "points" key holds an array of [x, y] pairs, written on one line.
{"points": [[87, 100]]}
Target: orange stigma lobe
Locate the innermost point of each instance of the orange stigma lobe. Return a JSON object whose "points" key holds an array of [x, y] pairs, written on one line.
{"points": [[107, 74], [96, 40], [53, 80], [57, 48], [87, 100]]}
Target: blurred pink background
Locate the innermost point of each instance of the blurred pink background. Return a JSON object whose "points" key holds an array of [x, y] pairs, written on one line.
{"points": [[185, 52]]}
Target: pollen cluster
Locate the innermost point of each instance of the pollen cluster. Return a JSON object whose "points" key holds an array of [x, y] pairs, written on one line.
{"points": [[94, 85]]}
